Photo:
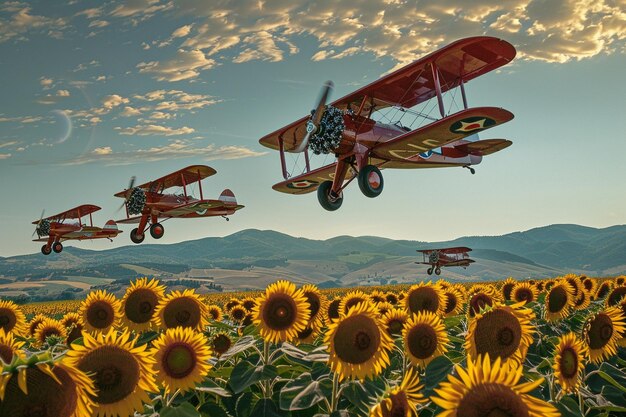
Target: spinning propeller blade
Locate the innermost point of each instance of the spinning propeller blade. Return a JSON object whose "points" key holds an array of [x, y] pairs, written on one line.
{"points": [[314, 122], [38, 223], [131, 184]]}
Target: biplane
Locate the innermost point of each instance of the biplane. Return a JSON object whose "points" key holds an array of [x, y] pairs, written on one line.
{"points": [[68, 225], [147, 203], [437, 258], [361, 145]]}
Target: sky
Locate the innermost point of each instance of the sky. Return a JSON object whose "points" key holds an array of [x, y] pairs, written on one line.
{"points": [[94, 92]]}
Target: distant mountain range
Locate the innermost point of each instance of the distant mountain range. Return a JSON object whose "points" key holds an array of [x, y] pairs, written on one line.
{"points": [[252, 258]]}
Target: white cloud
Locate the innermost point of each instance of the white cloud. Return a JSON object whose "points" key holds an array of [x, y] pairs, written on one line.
{"points": [[182, 31], [95, 120], [7, 144], [46, 82], [63, 93], [186, 65], [173, 150], [21, 22], [5, 155], [90, 13], [130, 111], [144, 8], [155, 130], [31, 119], [159, 115], [113, 100], [98, 24]]}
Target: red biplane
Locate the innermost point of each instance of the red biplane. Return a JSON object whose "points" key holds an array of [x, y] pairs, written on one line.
{"points": [[445, 257], [363, 146], [148, 202], [68, 226]]}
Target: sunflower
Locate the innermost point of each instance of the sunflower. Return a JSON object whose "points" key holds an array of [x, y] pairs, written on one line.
{"points": [[358, 346], [615, 296], [122, 372], [139, 303], [454, 302], [583, 301], [575, 283], [590, 285], [43, 387], [48, 328], [377, 296], [443, 284], [9, 347], [501, 331], [214, 312], [317, 304], [248, 303], [12, 318], [424, 337], [220, 343], [489, 388], [70, 319], [281, 312], [548, 284], [622, 305], [558, 301], [307, 335], [184, 309], [568, 362], [34, 322], [393, 321], [383, 307], [425, 297], [480, 300], [231, 303], [402, 400], [100, 311], [391, 298], [604, 289], [523, 292], [539, 286], [620, 280], [351, 299], [182, 358], [507, 288], [238, 313], [332, 312], [601, 333]]}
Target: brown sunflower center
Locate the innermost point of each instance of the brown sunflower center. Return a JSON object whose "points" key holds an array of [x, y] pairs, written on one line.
{"points": [[616, 295], [333, 309], [182, 311], [422, 341], [394, 326], [557, 299], [506, 290], [221, 343], [6, 353], [574, 284], [498, 333], [140, 305], [47, 332], [279, 311], [581, 300], [423, 299], [238, 314], [74, 334], [351, 302], [604, 290], [397, 407], [492, 400], [452, 302], [588, 284], [392, 299], [45, 397], [478, 302], [7, 319], [214, 313], [100, 314], [356, 339], [600, 331], [33, 326], [179, 360], [248, 304], [115, 372], [308, 331], [524, 294], [568, 363]]}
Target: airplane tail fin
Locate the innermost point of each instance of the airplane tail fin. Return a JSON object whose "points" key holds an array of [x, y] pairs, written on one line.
{"points": [[110, 225], [228, 198]]}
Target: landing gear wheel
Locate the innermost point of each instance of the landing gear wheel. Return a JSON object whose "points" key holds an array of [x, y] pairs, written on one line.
{"points": [[438, 271], [46, 250], [136, 237], [472, 170], [429, 271], [57, 247], [370, 181], [156, 231], [327, 201]]}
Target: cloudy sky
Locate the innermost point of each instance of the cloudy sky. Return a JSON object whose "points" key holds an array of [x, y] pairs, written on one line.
{"points": [[94, 92]]}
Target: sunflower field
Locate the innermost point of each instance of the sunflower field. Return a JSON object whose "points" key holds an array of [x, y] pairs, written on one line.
{"points": [[511, 348]]}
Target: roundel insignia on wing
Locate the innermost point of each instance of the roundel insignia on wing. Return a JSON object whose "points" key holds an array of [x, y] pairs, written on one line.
{"points": [[426, 154], [472, 124], [302, 184]]}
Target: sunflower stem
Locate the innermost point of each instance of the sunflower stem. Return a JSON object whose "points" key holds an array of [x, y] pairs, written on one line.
{"points": [[335, 394], [172, 397], [267, 388]]}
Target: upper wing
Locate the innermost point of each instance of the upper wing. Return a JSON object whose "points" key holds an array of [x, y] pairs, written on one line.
{"points": [[458, 62], [75, 213], [441, 132], [457, 249], [306, 183], [179, 178]]}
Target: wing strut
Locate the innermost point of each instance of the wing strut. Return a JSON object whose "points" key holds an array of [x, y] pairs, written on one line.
{"points": [[200, 185], [283, 164], [435, 72]]}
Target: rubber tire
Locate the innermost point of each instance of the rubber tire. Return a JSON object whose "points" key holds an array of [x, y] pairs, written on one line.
{"points": [[322, 196], [364, 184], [429, 271], [438, 271], [134, 237], [57, 247], [154, 234], [46, 250]]}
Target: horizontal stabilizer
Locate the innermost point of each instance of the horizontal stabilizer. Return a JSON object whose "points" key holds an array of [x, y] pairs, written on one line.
{"points": [[484, 147]]}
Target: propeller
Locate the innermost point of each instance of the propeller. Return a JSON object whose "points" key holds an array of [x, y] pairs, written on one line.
{"points": [[131, 184], [38, 224], [314, 122]]}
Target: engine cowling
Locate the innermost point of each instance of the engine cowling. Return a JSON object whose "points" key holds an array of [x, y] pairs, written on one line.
{"points": [[136, 201], [329, 135], [43, 228]]}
